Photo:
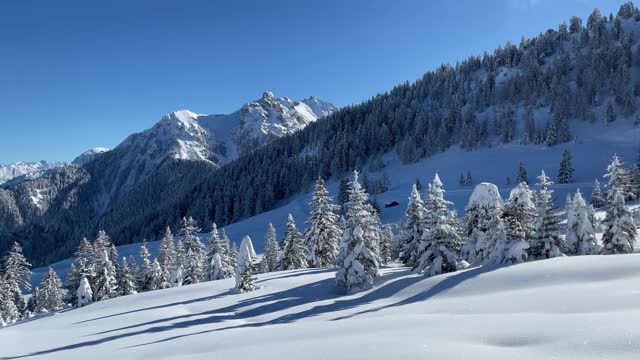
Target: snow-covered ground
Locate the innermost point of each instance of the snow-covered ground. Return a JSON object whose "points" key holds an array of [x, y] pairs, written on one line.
{"points": [[564, 308]]}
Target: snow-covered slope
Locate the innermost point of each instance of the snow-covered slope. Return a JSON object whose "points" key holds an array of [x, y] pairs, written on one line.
{"points": [[564, 308], [89, 155], [26, 170]]}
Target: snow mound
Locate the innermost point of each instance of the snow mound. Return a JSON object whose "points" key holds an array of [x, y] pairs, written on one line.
{"points": [[565, 308], [486, 194]]}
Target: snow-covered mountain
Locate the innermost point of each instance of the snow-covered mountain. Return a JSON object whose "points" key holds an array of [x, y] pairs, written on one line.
{"points": [[26, 170], [218, 139], [89, 155]]}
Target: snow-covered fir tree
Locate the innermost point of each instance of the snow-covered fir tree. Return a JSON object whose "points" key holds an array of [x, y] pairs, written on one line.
{"points": [[272, 249], [106, 284], [484, 207], [518, 212], [412, 228], [167, 257], [439, 247], [156, 280], [51, 294], [507, 250], [373, 228], [71, 283], [216, 268], [294, 255], [233, 252], [546, 241], [322, 237], [565, 172], [386, 245], [126, 279], [9, 312], [195, 261], [597, 198], [522, 176], [218, 245], [581, 234], [358, 265], [84, 294], [17, 276], [469, 180], [619, 229], [145, 269], [246, 266], [178, 267]]}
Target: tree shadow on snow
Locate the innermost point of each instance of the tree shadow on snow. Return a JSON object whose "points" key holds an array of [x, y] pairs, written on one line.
{"points": [[319, 291]]}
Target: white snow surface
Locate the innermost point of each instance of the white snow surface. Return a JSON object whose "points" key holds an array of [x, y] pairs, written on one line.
{"points": [[564, 308]]}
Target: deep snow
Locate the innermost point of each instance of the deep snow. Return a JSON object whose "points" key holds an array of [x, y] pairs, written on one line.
{"points": [[564, 308]]}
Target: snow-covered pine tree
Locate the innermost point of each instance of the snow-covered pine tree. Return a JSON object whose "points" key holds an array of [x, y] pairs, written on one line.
{"points": [[619, 229], [522, 174], [245, 269], [358, 265], [84, 251], [8, 311], [217, 246], [565, 172], [72, 281], [581, 234], [84, 293], [294, 257], [484, 206], [412, 228], [167, 257], [546, 241], [102, 244], [126, 279], [462, 180], [438, 249], [194, 267], [518, 212], [216, 269], [597, 198], [106, 285], [322, 237], [144, 270], [419, 184], [51, 294], [156, 280], [386, 245], [373, 228], [508, 250], [17, 276], [469, 180], [177, 271], [231, 254], [271, 249]]}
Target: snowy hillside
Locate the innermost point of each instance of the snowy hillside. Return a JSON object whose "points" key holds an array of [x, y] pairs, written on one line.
{"points": [[565, 308], [26, 170]]}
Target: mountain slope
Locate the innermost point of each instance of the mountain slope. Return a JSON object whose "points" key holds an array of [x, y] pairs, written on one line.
{"points": [[572, 307]]}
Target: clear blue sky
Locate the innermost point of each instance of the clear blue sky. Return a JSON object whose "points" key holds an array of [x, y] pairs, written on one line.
{"points": [[80, 74]]}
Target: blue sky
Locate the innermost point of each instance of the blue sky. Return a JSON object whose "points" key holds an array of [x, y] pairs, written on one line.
{"points": [[80, 74]]}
